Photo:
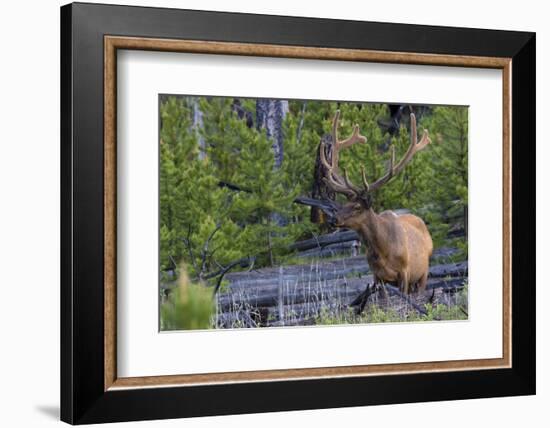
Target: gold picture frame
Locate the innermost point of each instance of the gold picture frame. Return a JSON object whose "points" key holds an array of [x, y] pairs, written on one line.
{"points": [[114, 43]]}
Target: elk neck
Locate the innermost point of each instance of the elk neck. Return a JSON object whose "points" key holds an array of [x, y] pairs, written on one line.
{"points": [[372, 231]]}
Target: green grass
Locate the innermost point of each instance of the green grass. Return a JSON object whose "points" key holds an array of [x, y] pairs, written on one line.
{"points": [[377, 314], [374, 313]]}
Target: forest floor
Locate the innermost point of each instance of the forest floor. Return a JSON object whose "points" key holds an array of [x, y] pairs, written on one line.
{"points": [[317, 289]]}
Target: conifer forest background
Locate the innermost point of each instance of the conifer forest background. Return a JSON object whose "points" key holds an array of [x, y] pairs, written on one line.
{"points": [[238, 249]]}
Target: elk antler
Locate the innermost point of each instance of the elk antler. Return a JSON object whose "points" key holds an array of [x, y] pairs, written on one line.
{"points": [[333, 178], [414, 147], [344, 185]]}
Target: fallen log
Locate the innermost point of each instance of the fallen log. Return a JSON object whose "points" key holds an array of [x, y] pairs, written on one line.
{"points": [[326, 271], [301, 279], [324, 240], [444, 252], [304, 310], [348, 248], [406, 298], [301, 275], [342, 290], [449, 269], [310, 312]]}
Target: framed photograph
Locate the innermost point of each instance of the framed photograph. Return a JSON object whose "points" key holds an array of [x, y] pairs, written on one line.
{"points": [[272, 213]]}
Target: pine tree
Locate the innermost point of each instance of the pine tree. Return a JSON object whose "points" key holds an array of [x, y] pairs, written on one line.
{"points": [[192, 205], [243, 156], [178, 147], [206, 225], [446, 193]]}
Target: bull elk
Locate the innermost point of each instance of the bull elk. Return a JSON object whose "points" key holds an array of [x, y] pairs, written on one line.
{"points": [[398, 246]]}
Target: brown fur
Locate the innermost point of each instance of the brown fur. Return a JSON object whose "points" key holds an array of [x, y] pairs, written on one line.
{"points": [[398, 247]]}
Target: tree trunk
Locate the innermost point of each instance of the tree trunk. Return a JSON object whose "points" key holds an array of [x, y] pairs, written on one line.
{"points": [[301, 124], [319, 189], [197, 126], [270, 115]]}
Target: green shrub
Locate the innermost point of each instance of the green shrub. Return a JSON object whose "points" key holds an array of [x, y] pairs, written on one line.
{"points": [[189, 307]]}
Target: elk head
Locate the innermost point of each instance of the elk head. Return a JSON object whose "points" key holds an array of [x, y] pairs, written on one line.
{"points": [[359, 198]]}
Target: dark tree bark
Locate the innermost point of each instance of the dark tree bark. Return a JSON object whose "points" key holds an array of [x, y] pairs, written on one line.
{"points": [[320, 190], [242, 113]]}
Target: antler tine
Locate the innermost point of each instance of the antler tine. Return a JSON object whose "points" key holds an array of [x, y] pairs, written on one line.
{"points": [[339, 188], [333, 179], [355, 137], [424, 141], [414, 147], [392, 160], [349, 184], [364, 177]]}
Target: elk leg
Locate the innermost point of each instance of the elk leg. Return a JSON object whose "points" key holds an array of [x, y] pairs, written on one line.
{"points": [[384, 291], [404, 283], [423, 283]]}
